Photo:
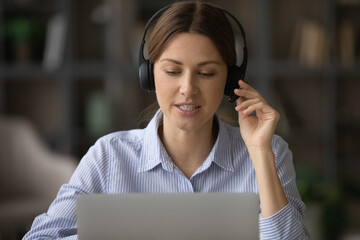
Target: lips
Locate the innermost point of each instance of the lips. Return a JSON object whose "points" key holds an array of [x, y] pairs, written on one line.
{"points": [[186, 107]]}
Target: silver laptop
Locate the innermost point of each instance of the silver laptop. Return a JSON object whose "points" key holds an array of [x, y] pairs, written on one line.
{"points": [[168, 216]]}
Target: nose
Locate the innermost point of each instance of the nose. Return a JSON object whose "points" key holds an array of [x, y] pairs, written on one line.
{"points": [[188, 85]]}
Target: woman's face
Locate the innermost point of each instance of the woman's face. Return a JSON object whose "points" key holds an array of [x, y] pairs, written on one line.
{"points": [[190, 77]]}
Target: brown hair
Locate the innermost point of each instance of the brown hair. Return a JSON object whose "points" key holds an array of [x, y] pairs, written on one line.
{"points": [[193, 17]]}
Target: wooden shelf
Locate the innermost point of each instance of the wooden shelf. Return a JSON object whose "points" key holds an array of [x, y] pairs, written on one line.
{"points": [[83, 69], [296, 70]]}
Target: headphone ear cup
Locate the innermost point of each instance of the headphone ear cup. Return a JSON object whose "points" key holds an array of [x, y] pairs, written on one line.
{"points": [[235, 74], [146, 76], [151, 78]]}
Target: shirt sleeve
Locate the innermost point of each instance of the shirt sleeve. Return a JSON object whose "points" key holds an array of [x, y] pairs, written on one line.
{"points": [[289, 222], [59, 222]]}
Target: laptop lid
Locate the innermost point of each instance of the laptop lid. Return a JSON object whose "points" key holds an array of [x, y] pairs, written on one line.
{"points": [[168, 216]]}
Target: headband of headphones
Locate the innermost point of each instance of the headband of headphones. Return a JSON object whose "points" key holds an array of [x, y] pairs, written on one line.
{"points": [[235, 73]]}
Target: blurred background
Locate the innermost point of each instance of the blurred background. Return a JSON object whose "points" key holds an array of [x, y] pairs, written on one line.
{"points": [[69, 74]]}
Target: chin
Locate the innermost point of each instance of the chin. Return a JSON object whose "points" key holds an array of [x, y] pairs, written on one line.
{"points": [[191, 124]]}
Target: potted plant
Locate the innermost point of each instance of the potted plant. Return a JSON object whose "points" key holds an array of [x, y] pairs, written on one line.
{"points": [[323, 199], [23, 37]]}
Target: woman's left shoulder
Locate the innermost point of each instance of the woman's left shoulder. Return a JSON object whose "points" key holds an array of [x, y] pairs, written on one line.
{"points": [[278, 143], [281, 150]]}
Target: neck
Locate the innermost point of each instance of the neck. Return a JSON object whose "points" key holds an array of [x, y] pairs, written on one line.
{"points": [[188, 149]]}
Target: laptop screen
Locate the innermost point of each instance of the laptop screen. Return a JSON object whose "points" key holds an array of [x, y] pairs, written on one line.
{"points": [[168, 216]]}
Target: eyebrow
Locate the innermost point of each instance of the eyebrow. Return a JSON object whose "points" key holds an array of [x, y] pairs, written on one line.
{"points": [[199, 64]]}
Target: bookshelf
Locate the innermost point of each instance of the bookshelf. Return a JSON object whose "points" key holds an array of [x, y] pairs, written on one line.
{"points": [[320, 100], [86, 65]]}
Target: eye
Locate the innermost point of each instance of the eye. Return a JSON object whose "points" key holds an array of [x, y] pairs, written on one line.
{"points": [[206, 74], [172, 73]]}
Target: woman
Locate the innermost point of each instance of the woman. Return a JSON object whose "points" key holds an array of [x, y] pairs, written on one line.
{"points": [[185, 147]]}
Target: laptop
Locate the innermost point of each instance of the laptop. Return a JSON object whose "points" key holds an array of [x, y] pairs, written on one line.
{"points": [[168, 216]]}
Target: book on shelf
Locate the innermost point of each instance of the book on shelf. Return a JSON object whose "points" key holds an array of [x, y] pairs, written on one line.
{"points": [[55, 42], [347, 43], [309, 44]]}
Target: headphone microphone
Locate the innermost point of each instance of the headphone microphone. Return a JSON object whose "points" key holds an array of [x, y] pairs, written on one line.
{"points": [[235, 73]]}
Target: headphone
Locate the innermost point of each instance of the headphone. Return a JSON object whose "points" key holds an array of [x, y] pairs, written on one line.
{"points": [[235, 73]]}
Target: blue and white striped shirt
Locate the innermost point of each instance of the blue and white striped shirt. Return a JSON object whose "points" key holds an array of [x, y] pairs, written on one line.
{"points": [[135, 161]]}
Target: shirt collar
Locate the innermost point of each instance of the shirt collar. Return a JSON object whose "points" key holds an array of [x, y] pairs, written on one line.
{"points": [[223, 154], [154, 153]]}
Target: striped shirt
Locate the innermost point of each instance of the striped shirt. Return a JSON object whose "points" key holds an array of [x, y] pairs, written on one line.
{"points": [[135, 161]]}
